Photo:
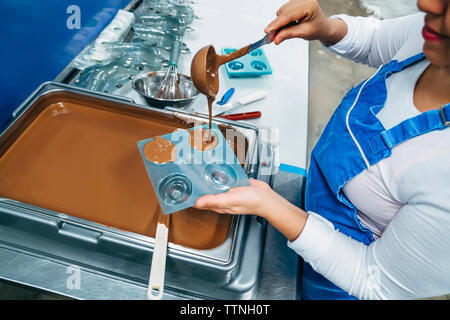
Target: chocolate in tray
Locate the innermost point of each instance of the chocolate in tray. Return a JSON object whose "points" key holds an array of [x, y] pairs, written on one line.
{"points": [[188, 163]]}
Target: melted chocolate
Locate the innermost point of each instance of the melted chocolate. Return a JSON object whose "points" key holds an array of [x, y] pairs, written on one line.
{"points": [[160, 150], [205, 72], [84, 161], [202, 139]]}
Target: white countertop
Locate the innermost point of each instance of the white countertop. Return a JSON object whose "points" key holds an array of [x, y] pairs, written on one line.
{"points": [[237, 23]]}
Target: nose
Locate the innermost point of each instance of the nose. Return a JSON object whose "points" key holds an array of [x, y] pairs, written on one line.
{"points": [[434, 7]]}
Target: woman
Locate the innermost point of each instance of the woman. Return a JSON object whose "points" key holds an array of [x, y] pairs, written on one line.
{"points": [[377, 220]]}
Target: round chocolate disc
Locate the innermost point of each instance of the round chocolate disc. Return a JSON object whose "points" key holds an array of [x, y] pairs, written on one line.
{"points": [[160, 150]]}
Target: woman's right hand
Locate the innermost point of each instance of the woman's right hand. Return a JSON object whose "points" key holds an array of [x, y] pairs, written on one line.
{"points": [[313, 23]]}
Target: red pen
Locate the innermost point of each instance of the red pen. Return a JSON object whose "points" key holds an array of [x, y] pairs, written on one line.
{"points": [[242, 116]]}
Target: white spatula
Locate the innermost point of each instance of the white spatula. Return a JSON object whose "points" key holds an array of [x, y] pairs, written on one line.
{"points": [[233, 106], [158, 268]]}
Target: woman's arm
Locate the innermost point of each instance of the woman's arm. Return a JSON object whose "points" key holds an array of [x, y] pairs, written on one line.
{"points": [[313, 23], [375, 42], [258, 199], [365, 40], [410, 260]]}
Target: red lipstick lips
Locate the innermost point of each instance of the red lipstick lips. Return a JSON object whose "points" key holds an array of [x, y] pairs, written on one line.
{"points": [[431, 35]]}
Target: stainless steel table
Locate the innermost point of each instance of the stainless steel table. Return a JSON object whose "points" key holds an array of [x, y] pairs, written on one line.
{"points": [[282, 267], [280, 274]]}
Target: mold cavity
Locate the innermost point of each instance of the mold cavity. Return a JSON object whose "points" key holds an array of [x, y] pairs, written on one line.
{"points": [[220, 176], [236, 65], [175, 189], [256, 53], [258, 65], [228, 51]]}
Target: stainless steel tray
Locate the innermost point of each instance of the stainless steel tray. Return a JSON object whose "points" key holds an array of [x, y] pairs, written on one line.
{"points": [[216, 273]]}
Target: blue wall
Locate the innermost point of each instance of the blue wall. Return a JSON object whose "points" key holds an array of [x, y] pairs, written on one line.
{"points": [[36, 44]]}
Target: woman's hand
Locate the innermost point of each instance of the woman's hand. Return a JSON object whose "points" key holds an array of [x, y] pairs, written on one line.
{"points": [[313, 23], [259, 199], [241, 200]]}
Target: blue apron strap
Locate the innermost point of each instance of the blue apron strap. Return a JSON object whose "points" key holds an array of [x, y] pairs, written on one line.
{"points": [[416, 126], [396, 66]]}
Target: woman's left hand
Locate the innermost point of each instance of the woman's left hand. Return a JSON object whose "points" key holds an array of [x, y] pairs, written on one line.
{"points": [[253, 199], [261, 200]]}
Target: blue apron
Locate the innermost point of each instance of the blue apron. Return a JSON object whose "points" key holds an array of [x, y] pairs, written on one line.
{"points": [[353, 140]]}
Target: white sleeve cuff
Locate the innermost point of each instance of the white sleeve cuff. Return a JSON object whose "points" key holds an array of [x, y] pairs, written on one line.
{"points": [[317, 236], [357, 43], [344, 45]]}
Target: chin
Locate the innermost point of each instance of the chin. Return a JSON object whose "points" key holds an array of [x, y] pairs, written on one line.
{"points": [[437, 55]]}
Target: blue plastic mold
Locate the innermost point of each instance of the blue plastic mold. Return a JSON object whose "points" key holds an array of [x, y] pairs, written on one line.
{"points": [[253, 64]]}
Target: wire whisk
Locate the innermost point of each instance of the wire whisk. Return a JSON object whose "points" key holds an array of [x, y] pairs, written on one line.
{"points": [[169, 88]]}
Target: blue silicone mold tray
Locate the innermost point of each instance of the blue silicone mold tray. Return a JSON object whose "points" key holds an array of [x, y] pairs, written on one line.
{"points": [[178, 184], [253, 64]]}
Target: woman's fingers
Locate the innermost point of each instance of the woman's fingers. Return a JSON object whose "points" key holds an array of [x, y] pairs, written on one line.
{"points": [[285, 34], [281, 19], [239, 200], [279, 22], [298, 31], [290, 12], [313, 23], [207, 201], [259, 184], [215, 202]]}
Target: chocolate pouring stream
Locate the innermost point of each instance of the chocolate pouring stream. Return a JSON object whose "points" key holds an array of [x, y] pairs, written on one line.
{"points": [[206, 62]]}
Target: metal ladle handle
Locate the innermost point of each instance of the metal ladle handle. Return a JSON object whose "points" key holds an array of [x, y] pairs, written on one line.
{"points": [[267, 40]]}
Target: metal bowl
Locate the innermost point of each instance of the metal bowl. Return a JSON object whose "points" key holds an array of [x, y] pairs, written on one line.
{"points": [[149, 86]]}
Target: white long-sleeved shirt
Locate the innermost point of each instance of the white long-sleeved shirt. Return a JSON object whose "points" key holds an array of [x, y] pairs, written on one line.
{"points": [[404, 199]]}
